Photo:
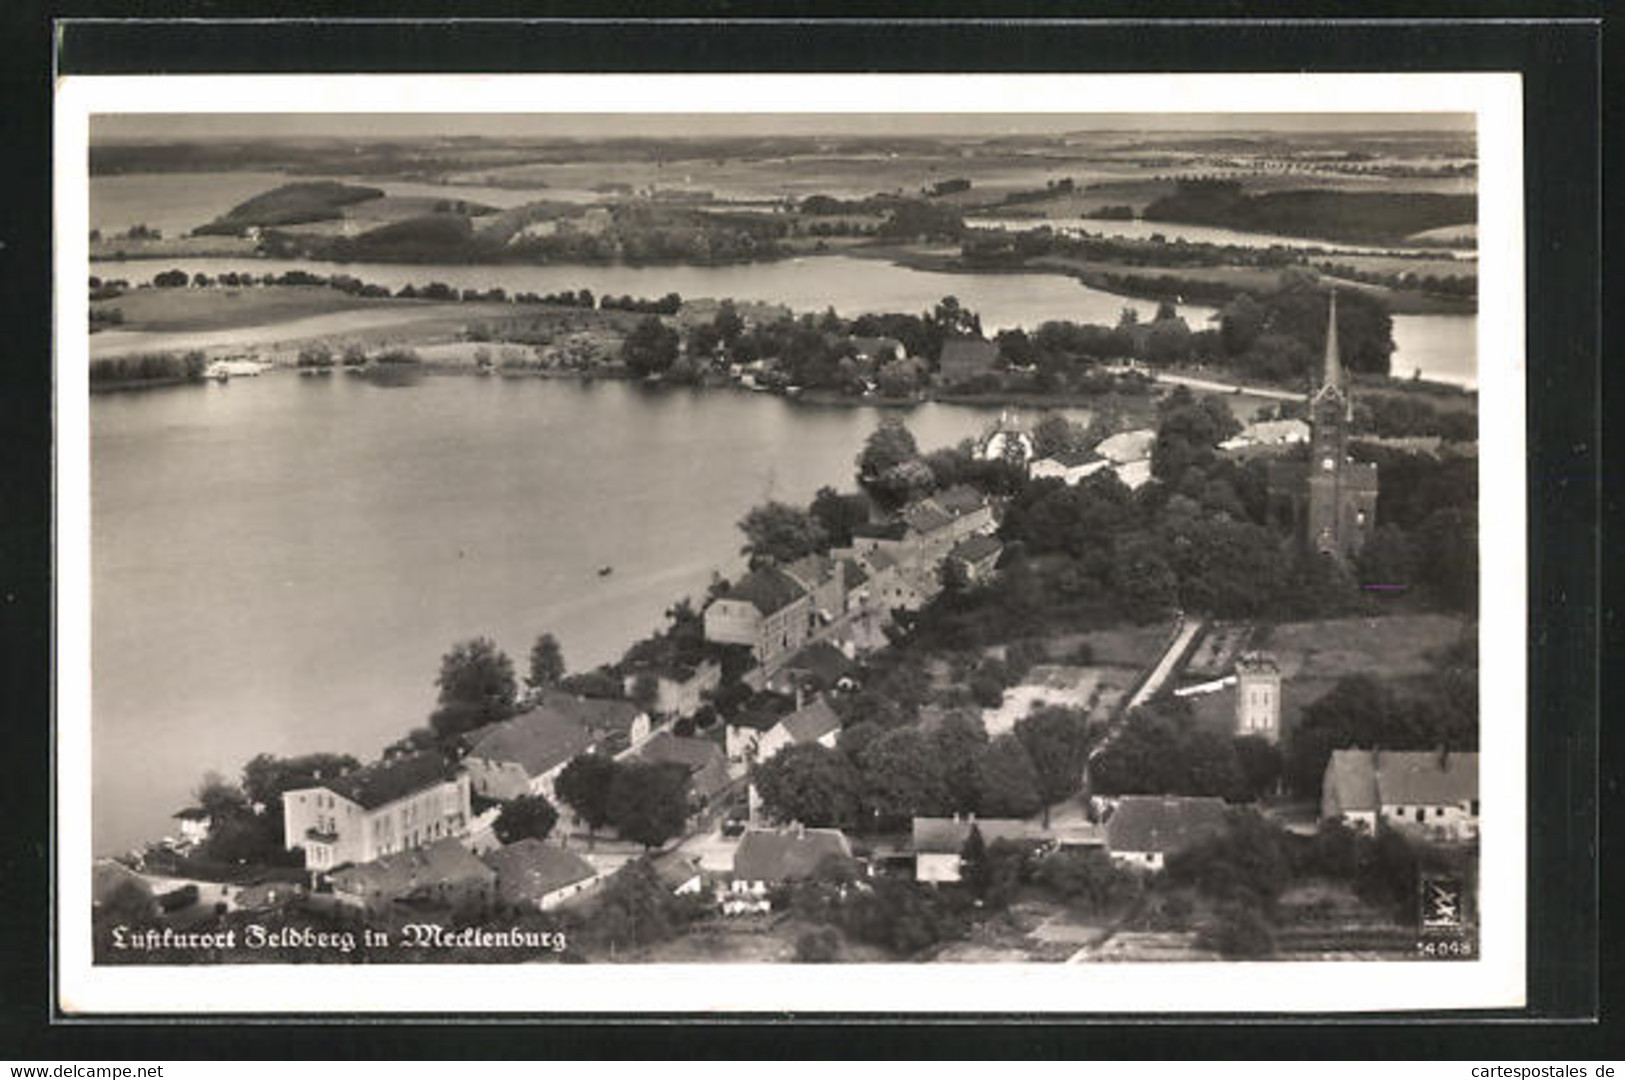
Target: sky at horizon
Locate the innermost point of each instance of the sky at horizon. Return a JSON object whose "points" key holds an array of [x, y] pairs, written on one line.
{"points": [[146, 127]]}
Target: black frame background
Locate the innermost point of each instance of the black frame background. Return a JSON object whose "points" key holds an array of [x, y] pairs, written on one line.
{"points": [[1559, 52]]}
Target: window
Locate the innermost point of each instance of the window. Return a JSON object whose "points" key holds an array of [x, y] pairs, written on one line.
{"points": [[1421, 813], [1438, 811], [1475, 808]]}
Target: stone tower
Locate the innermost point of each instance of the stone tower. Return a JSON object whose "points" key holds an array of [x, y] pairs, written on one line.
{"points": [[1258, 696], [1341, 500]]}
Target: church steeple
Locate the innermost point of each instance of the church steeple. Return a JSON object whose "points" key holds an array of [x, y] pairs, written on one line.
{"points": [[1333, 373]]}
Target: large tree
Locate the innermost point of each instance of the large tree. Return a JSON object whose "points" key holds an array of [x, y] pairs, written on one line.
{"points": [[648, 801], [902, 779], [810, 784], [1007, 784], [778, 532], [960, 742], [1057, 741], [585, 784], [888, 446], [546, 663], [650, 348], [529, 817], [477, 687], [838, 514]]}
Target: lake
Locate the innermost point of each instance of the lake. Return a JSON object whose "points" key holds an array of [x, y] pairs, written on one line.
{"points": [[279, 563]]}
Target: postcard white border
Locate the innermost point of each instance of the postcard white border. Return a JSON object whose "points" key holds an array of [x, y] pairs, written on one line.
{"points": [[1496, 980]]}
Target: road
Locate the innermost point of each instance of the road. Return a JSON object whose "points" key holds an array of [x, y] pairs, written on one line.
{"points": [[1165, 666], [1227, 388]]}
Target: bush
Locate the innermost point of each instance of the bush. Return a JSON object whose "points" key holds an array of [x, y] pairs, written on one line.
{"points": [[821, 946], [1237, 932]]}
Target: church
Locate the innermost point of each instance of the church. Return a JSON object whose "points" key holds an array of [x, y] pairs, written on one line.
{"points": [[1330, 499]]}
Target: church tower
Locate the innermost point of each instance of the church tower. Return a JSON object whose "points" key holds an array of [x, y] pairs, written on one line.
{"points": [[1342, 495]]}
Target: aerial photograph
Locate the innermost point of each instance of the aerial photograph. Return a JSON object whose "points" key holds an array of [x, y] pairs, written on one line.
{"points": [[735, 538]]}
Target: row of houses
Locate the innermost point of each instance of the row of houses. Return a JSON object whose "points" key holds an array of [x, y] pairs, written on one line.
{"points": [[846, 595]]}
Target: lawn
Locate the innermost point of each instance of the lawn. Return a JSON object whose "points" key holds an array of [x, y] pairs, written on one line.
{"points": [[1388, 647]]}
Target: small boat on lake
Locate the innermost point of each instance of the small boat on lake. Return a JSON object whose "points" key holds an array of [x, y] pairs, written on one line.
{"points": [[605, 571]]}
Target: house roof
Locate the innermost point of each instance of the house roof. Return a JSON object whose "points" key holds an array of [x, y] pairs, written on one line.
{"points": [[677, 870], [531, 870], [822, 660], [926, 516], [968, 352], [596, 714], [1162, 823], [768, 589], [191, 813], [706, 763], [810, 571], [855, 573], [1429, 777], [442, 862], [537, 741], [384, 782], [1128, 445], [976, 548], [1365, 780], [764, 855], [947, 836], [1071, 459], [881, 530], [812, 722], [961, 499]]}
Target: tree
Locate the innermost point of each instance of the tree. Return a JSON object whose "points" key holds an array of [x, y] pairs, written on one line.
{"points": [[648, 801], [1260, 763], [902, 779], [1240, 323], [585, 785], [477, 687], [219, 798], [636, 908], [1055, 434], [811, 784], [888, 446], [1007, 784], [974, 869], [650, 348], [776, 532], [960, 742], [954, 320], [820, 946], [1057, 741], [838, 514], [1161, 752], [527, 817], [546, 663]]}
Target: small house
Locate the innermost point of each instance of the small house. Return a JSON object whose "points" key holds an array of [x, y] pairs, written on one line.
{"points": [[536, 874], [443, 875], [1430, 794], [766, 858], [939, 843], [1144, 830]]}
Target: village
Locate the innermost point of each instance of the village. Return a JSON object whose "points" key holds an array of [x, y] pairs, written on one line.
{"points": [[840, 755]]}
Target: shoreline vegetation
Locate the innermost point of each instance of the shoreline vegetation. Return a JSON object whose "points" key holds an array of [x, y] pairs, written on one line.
{"points": [[705, 343]]}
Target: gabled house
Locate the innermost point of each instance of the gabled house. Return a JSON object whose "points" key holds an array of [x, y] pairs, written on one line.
{"points": [[823, 580], [818, 667], [536, 874], [1071, 466], [194, 825], [766, 609], [525, 754], [978, 555], [963, 359], [878, 350], [766, 858], [1430, 794], [394, 805], [443, 874], [1144, 830], [614, 724], [939, 843], [704, 759], [814, 722]]}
